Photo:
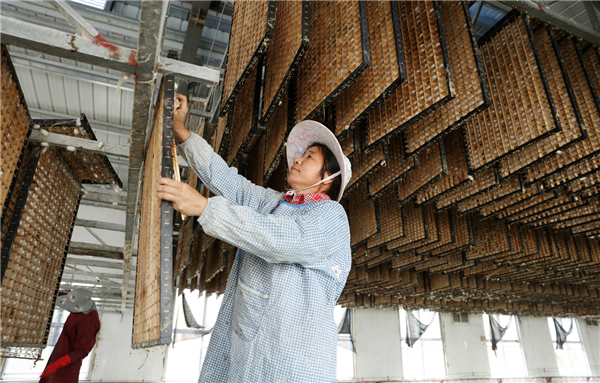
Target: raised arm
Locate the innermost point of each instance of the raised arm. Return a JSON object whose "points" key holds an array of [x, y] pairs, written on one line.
{"points": [[213, 171], [304, 239]]}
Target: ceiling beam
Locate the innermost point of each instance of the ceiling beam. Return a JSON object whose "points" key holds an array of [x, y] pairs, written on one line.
{"points": [[65, 69], [95, 263], [53, 42], [99, 225], [112, 252], [83, 144], [104, 197], [103, 205], [102, 53], [546, 14], [75, 19]]}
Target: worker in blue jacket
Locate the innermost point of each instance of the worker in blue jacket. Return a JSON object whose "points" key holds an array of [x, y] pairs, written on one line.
{"points": [[276, 320]]}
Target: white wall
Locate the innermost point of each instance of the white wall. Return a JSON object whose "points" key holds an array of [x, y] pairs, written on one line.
{"points": [[590, 337], [465, 347], [115, 361], [538, 349], [378, 344]]}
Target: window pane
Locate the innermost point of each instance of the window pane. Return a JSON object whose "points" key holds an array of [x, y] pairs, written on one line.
{"points": [[571, 359], [508, 360], [425, 360]]}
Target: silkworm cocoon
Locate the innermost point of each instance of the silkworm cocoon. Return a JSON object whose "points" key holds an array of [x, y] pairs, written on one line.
{"points": [[115, 203], [36, 126], [100, 145], [78, 121], [71, 148], [45, 144], [44, 132], [470, 178], [177, 103], [76, 131]]}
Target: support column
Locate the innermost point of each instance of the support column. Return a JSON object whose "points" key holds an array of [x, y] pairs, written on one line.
{"points": [[378, 344], [538, 349], [590, 338], [465, 347]]}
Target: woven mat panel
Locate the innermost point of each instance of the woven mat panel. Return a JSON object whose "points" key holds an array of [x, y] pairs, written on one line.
{"points": [[184, 243], [152, 319], [521, 116], [432, 232], [507, 188], [573, 128], [407, 260], [504, 202], [394, 170], [256, 162], [586, 228], [581, 73], [11, 203], [245, 118], [286, 51], [414, 224], [278, 180], [464, 237], [432, 166], [386, 72], [554, 207], [442, 236], [493, 239], [251, 31], [584, 183], [520, 207], [362, 214], [222, 134], [458, 171], [348, 144], [90, 168], [181, 282], [428, 86], [575, 217], [215, 260], [34, 249], [197, 255], [279, 126], [366, 162], [338, 54], [468, 77], [183, 255], [478, 183], [391, 217], [14, 127]]}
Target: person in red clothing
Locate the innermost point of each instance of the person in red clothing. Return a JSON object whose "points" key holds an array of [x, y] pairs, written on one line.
{"points": [[76, 339]]}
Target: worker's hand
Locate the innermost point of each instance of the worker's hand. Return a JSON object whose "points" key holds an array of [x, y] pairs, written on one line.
{"points": [[179, 115], [53, 367], [186, 199]]}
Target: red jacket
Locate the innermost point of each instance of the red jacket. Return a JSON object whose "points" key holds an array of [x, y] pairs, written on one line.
{"points": [[77, 340]]}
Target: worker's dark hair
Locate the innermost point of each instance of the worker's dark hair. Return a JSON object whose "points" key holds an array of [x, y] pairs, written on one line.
{"points": [[330, 164]]}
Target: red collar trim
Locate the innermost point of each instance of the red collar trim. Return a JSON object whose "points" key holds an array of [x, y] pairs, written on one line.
{"points": [[300, 199]]}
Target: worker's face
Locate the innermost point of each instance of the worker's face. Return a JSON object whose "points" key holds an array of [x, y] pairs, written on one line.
{"points": [[306, 171]]}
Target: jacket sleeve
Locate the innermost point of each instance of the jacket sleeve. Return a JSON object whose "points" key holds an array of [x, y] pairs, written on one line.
{"points": [[223, 180], [305, 239], [85, 340]]}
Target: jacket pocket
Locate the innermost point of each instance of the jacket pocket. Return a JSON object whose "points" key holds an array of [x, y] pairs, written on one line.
{"points": [[248, 309]]}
